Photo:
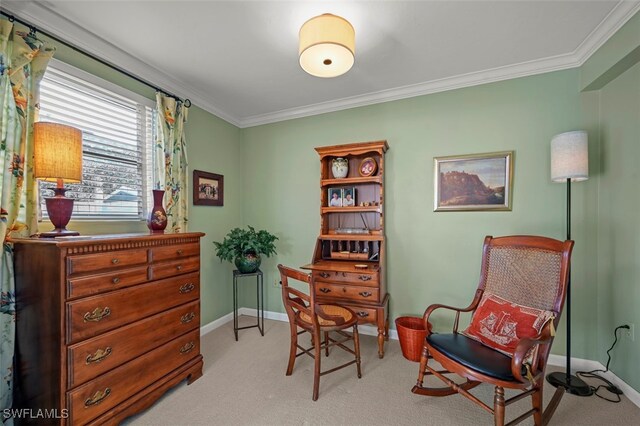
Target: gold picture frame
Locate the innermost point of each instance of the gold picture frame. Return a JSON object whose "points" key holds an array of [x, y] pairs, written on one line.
{"points": [[476, 182]]}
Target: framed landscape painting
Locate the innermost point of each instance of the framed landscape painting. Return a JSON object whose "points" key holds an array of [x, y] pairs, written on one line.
{"points": [[473, 182]]}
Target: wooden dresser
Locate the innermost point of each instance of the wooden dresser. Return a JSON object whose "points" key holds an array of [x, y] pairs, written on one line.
{"points": [[105, 324], [349, 257]]}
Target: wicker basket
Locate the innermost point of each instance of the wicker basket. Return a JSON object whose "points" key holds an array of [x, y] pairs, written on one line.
{"points": [[411, 333]]}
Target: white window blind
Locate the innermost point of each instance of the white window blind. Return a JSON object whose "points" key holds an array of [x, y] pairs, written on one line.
{"points": [[117, 136]]}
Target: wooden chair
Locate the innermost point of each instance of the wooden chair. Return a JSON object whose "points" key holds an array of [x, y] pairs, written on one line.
{"points": [[317, 319], [526, 270]]}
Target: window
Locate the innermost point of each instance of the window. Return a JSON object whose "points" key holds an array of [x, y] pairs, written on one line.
{"points": [[117, 131]]}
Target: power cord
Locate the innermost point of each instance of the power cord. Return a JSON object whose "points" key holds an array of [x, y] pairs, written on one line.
{"points": [[593, 373]]}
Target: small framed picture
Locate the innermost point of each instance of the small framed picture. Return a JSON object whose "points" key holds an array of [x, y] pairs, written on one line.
{"points": [[368, 167], [349, 197], [335, 197], [208, 189]]}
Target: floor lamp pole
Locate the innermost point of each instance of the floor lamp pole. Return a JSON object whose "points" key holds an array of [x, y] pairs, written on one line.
{"points": [[573, 384]]}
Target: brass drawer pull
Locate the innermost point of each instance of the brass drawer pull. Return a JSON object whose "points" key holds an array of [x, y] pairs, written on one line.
{"points": [[365, 293], [188, 347], [116, 280], [324, 275], [115, 261], [186, 288], [98, 356], [97, 398], [97, 314], [187, 317], [325, 290], [179, 252], [362, 314], [365, 277], [179, 267]]}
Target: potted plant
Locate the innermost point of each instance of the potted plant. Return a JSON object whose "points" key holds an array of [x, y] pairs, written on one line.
{"points": [[244, 247]]}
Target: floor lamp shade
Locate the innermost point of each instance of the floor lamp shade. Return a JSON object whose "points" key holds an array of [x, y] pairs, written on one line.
{"points": [[57, 155], [570, 156]]}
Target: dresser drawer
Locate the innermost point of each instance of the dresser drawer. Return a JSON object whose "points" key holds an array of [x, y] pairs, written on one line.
{"points": [[105, 392], [114, 259], [99, 283], [365, 315], [176, 267], [90, 358], [352, 292], [357, 278], [93, 315], [174, 252]]}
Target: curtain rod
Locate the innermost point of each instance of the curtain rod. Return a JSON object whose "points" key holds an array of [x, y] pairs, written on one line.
{"points": [[33, 29]]}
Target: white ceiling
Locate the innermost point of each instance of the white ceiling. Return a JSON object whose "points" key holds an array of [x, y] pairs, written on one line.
{"points": [[238, 59]]}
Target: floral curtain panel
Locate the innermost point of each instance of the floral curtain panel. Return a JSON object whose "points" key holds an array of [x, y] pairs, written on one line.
{"points": [[170, 170], [23, 60]]}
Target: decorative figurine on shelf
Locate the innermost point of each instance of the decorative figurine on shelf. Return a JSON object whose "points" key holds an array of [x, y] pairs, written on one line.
{"points": [[243, 248], [157, 220], [339, 167]]}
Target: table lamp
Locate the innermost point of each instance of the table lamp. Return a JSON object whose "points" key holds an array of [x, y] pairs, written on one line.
{"points": [[58, 158]]}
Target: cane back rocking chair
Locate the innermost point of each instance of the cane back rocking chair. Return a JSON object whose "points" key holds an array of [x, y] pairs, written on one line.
{"points": [[317, 319], [525, 270]]}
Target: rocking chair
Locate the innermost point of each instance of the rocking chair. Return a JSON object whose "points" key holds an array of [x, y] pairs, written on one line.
{"points": [[531, 274]]}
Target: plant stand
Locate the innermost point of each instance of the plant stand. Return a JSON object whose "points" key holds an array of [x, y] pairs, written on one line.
{"points": [[259, 301]]}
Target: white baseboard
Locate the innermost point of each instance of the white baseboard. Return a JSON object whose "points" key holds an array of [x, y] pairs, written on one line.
{"points": [[577, 364]]}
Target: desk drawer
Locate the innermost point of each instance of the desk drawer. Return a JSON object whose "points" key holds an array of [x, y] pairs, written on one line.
{"points": [[105, 392], [365, 315], [93, 315], [114, 259], [176, 267], [90, 358], [357, 278], [94, 284], [174, 252], [352, 292]]}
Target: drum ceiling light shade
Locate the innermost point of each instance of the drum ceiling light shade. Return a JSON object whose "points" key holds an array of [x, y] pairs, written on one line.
{"points": [[327, 46]]}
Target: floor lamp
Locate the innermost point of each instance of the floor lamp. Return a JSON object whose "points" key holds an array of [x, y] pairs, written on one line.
{"points": [[569, 163]]}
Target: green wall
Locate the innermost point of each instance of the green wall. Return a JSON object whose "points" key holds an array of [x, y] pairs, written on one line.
{"points": [[613, 76], [432, 256]]}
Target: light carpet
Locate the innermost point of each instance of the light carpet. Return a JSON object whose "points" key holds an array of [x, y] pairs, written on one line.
{"points": [[244, 383]]}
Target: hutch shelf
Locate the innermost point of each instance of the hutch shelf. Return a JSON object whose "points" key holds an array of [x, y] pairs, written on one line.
{"points": [[349, 257]]}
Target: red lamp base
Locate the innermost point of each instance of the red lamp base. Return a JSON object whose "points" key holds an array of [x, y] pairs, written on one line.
{"points": [[59, 209]]}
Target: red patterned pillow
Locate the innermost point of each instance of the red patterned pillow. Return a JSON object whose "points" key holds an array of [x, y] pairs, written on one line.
{"points": [[500, 324]]}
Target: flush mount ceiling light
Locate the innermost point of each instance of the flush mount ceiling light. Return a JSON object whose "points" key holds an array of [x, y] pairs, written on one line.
{"points": [[327, 46]]}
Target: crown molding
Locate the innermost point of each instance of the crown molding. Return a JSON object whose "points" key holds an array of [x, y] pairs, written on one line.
{"points": [[47, 19], [44, 17], [611, 23]]}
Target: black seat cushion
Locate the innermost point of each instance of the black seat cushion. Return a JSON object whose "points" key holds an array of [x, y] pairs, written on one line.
{"points": [[473, 354]]}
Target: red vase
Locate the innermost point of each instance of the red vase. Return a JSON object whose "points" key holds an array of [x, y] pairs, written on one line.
{"points": [[157, 220]]}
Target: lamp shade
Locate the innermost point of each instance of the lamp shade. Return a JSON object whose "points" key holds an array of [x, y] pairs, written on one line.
{"points": [[327, 46], [570, 156], [57, 152]]}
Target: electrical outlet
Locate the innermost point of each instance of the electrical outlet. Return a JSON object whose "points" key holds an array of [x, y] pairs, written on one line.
{"points": [[629, 333], [276, 283]]}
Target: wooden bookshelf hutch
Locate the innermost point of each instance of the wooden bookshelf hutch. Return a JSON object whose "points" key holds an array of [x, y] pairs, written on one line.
{"points": [[349, 257]]}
